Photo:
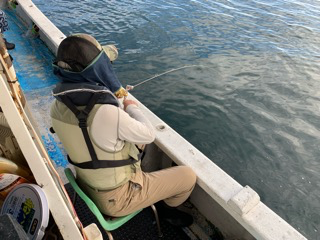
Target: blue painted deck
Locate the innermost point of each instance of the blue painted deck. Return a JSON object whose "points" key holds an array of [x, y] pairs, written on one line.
{"points": [[33, 66]]}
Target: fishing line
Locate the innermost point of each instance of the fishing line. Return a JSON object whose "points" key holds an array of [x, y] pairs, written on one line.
{"points": [[130, 87]]}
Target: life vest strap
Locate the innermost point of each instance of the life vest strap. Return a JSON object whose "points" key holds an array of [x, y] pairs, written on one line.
{"points": [[82, 116], [104, 163]]}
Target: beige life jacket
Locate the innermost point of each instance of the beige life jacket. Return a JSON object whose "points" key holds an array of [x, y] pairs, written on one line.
{"points": [[66, 125]]}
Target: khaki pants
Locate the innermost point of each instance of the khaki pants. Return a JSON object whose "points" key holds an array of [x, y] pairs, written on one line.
{"points": [[173, 185]]}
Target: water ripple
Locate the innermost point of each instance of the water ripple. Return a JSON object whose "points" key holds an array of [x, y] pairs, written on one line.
{"points": [[252, 105]]}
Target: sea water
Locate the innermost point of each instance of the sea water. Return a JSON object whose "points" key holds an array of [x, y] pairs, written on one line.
{"points": [[252, 103]]}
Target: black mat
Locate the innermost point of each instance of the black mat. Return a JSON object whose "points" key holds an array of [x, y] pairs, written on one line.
{"points": [[142, 226]]}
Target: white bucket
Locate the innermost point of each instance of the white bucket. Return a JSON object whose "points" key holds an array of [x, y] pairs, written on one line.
{"points": [[29, 206]]}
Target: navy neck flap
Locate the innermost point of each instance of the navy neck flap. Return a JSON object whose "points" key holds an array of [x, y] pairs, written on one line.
{"points": [[99, 72]]}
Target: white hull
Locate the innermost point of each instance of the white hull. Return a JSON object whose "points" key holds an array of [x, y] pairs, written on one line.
{"points": [[236, 210]]}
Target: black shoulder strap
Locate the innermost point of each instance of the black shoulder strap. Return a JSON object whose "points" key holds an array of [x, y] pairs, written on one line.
{"points": [[82, 116]]}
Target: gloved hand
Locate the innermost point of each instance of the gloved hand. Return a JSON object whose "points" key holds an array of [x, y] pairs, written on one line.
{"points": [[121, 93]]}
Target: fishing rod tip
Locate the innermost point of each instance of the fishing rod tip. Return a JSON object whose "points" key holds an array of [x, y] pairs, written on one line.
{"points": [[129, 87]]}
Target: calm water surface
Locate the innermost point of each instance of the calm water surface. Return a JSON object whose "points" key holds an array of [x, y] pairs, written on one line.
{"points": [[252, 105]]}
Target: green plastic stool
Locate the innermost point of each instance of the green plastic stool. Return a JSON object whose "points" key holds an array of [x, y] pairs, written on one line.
{"points": [[107, 224]]}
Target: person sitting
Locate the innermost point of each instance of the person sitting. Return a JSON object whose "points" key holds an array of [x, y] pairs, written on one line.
{"points": [[4, 26], [101, 137]]}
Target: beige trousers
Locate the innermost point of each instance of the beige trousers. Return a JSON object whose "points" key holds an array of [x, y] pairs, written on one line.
{"points": [[173, 185]]}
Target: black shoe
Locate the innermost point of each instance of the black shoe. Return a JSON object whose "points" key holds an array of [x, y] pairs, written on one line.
{"points": [[173, 216], [9, 46]]}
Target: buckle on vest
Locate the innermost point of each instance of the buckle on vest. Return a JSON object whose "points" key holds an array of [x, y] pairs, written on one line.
{"points": [[82, 123], [82, 117]]}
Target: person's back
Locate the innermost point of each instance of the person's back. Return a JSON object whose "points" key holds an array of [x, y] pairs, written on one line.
{"points": [[103, 146]]}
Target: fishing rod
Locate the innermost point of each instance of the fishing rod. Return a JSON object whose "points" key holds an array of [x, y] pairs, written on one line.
{"points": [[130, 87]]}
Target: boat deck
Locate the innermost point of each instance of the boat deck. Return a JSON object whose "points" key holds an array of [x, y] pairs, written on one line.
{"points": [[143, 226], [32, 63]]}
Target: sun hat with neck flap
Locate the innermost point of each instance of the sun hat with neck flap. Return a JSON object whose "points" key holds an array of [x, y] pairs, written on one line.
{"points": [[110, 50], [81, 59]]}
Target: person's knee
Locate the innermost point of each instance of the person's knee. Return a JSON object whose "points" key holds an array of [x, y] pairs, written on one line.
{"points": [[188, 175]]}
